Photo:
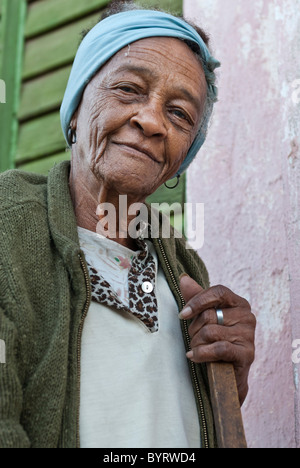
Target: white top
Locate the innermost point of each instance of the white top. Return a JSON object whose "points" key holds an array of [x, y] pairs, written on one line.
{"points": [[135, 389]]}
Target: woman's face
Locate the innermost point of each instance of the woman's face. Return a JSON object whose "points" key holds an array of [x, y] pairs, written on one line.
{"points": [[140, 114]]}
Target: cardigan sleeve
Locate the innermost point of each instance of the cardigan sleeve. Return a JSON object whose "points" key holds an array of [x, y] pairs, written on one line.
{"points": [[12, 434]]}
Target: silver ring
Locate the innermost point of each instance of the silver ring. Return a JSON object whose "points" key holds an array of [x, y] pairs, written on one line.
{"points": [[220, 317]]}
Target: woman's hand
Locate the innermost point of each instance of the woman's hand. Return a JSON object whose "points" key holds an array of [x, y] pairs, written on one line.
{"points": [[231, 342]]}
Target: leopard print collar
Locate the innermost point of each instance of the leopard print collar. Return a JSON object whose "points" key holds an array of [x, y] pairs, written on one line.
{"points": [[141, 288]]}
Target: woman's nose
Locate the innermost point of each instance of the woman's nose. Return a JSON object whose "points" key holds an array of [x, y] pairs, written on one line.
{"points": [[150, 119]]}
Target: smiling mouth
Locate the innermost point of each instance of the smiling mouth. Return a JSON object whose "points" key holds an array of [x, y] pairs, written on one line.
{"points": [[138, 150]]}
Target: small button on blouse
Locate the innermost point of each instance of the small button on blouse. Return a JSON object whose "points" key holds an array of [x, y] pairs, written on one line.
{"points": [[147, 287]]}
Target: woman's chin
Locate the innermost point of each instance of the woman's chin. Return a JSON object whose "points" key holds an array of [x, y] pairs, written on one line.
{"points": [[127, 179]]}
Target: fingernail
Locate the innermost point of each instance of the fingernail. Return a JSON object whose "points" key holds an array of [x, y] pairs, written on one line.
{"points": [[186, 312], [190, 354], [182, 275]]}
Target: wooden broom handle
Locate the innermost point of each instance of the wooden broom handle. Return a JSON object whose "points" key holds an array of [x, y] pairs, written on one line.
{"points": [[226, 406]]}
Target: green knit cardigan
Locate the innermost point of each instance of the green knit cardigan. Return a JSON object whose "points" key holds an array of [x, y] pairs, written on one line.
{"points": [[43, 292]]}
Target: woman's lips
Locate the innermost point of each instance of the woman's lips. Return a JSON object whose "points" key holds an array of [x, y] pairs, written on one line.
{"points": [[138, 149]]}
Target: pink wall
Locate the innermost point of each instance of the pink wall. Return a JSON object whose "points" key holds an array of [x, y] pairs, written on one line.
{"points": [[248, 176]]}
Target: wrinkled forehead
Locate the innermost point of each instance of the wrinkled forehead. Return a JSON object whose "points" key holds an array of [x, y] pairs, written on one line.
{"points": [[156, 59], [170, 51]]}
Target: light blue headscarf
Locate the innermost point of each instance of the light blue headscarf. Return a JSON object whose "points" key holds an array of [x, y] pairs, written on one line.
{"points": [[117, 31]]}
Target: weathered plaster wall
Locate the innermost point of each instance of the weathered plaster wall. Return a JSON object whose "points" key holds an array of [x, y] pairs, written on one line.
{"points": [[248, 176]]}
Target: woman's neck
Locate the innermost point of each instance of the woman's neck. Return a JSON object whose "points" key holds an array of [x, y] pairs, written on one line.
{"points": [[101, 209]]}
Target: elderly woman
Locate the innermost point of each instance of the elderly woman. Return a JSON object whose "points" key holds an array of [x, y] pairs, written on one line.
{"points": [[96, 355]]}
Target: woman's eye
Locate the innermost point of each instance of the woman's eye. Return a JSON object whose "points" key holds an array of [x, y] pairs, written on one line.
{"points": [[127, 89], [180, 114]]}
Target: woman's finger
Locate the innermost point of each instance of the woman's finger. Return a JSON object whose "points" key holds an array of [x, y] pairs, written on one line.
{"points": [[215, 297], [231, 318]]}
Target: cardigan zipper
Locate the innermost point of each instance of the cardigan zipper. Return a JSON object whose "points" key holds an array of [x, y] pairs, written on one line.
{"points": [[84, 314], [187, 338]]}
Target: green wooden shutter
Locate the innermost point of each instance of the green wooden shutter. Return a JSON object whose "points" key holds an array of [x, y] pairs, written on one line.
{"points": [[171, 6], [1, 41], [11, 37]]}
